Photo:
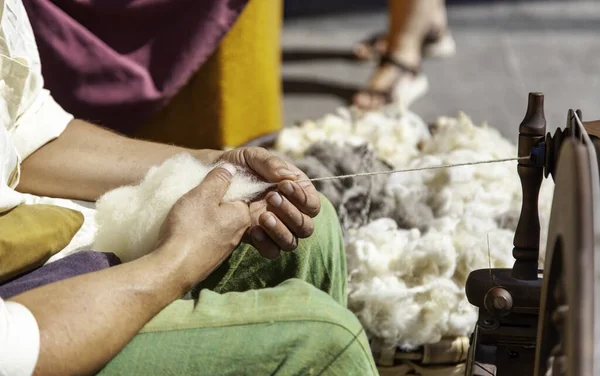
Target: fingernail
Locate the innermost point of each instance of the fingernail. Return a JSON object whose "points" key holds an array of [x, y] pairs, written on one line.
{"points": [[285, 172], [275, 199], [258, 234], [270, 222], [287, 188], [229, 167]]}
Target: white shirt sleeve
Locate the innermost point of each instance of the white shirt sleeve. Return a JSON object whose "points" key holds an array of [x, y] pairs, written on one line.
{"points": [[43, 121], [32, 116], [19, 340]]}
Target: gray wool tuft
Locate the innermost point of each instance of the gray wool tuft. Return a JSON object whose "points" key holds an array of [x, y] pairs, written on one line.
{"points": [[359, 200]]}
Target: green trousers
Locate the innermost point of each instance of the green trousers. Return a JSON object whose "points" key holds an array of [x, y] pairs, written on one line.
{"points": [[256, 317]]}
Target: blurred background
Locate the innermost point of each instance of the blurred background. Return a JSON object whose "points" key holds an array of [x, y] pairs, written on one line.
{"points": [[215, 78], [505, 49]]}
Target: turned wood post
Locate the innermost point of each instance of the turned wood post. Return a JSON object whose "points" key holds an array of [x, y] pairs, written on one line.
{"points": [[527, 236]]}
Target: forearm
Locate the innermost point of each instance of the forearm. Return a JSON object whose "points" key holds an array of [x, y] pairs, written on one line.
{"points": [[86, 321], [86, 161]]}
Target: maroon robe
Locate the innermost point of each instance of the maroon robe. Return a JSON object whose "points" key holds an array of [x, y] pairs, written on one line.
{"points": [[118, 62]]}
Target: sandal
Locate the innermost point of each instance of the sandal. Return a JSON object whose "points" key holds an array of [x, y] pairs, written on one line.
{"points": [[436, 45], [402, 92], [439, 44]]}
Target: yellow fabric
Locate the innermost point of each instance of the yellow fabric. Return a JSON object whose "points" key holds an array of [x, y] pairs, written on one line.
{"points": [[236, 94], [31, 234]]}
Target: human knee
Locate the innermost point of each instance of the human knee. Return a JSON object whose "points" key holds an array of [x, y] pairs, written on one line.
{"points": [[341, 337], [326, 223], [326, 243], [317, 306]]}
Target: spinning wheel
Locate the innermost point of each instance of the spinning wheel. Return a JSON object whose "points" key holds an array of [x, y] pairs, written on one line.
{"points": [[529, 325], [567, 338]]}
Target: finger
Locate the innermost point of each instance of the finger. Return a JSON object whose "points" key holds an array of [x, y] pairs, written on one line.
{"points": [[300, 224], [277, 231], [265, 246], [215, 184], [268, 165], [303, 195]]}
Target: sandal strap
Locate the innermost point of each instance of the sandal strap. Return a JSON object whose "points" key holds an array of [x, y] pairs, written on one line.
{"points": [[434, 36], [388, 60], [385, 94]]}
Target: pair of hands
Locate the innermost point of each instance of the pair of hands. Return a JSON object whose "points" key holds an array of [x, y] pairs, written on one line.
{"points": [[202, 221]]}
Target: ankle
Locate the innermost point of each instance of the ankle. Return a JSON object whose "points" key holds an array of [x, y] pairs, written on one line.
{"points": [[439, 20], [411, 59]]}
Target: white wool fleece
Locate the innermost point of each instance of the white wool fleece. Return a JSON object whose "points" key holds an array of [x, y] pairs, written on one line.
{"points": [[129, 218]]}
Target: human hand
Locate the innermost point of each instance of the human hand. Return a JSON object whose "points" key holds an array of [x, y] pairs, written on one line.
{"points": [[280, 218], [201, 230]]}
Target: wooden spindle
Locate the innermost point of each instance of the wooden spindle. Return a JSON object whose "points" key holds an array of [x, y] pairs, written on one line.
{"points": [[527, 235]]}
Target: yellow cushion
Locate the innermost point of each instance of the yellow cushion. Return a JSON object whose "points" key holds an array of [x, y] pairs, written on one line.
{"points": [[236, 94], [31, 234]]}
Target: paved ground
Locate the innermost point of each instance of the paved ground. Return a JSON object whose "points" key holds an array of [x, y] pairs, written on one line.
{"points": [[505, 50]]}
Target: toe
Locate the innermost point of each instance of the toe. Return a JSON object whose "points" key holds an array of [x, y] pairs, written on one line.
{"points": [[381, 45], [368, 101], [363, 51], [362, 100]]}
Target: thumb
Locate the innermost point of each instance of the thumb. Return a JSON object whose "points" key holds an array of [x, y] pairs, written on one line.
{"points": [[217, 182]]}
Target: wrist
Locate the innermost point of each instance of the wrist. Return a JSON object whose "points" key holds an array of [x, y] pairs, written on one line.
{"points": [[207, 156], [172, 261]]}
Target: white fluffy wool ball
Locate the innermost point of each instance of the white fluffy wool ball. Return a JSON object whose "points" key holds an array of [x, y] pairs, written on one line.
{"points": [[129, 218]]}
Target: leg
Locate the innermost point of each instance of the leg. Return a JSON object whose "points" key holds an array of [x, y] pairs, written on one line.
{"points": [[319, 260], [292, 329], [438, 42], [410, 24]]}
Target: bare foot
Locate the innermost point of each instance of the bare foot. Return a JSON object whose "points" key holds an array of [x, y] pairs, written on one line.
{"points": [[439, 44], [371, 48], [391, 83]]}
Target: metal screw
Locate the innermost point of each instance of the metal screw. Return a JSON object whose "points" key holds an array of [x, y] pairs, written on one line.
{"points": [[498, 301]]}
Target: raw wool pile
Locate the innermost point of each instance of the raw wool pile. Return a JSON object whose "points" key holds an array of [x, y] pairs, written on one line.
{"points": [[386, 132], [129, 217], [407, 285], [363, 199]]}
